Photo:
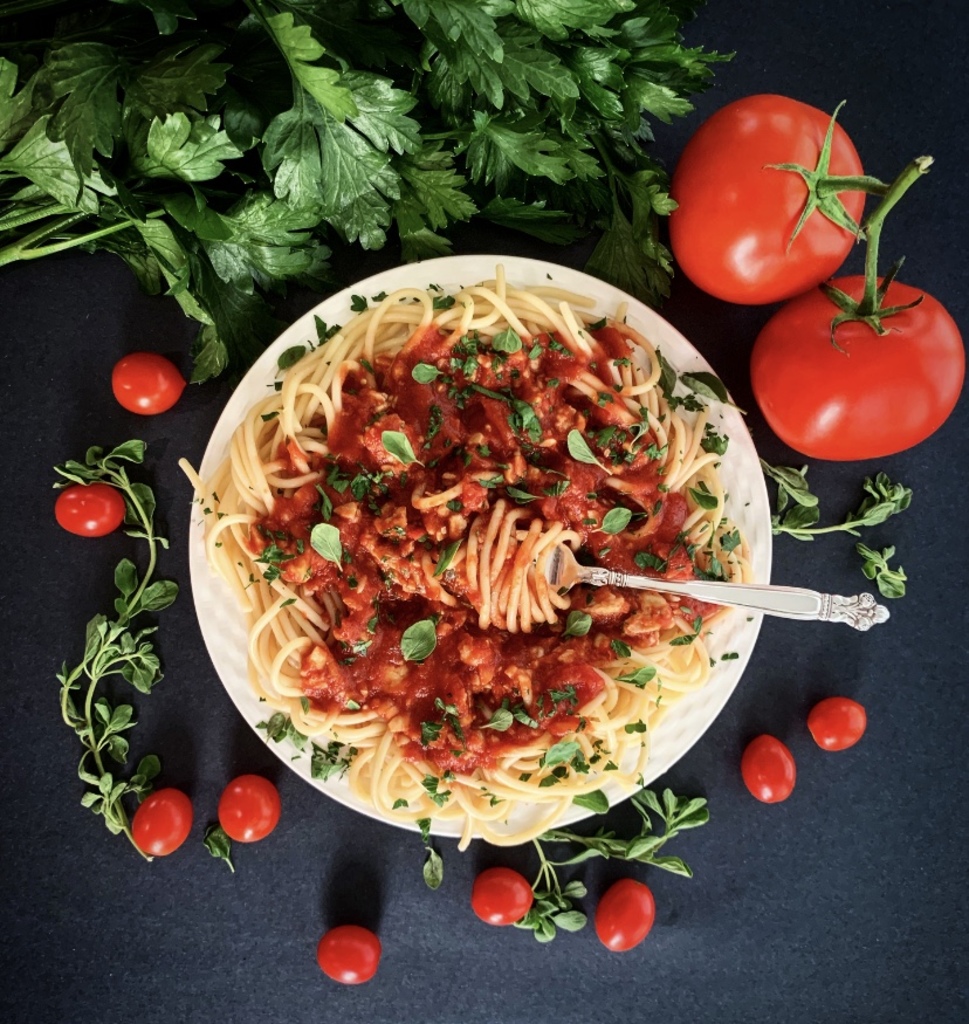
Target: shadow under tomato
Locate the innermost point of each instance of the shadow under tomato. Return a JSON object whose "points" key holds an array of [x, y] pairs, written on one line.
{"points": [[352, 894]]}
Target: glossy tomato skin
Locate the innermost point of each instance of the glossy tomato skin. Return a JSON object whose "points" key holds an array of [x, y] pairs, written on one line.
{"points": [[837, 723], [349, 954], [736, 215], [162, 822], [875, 396], [146, 383], [501, 896], [249, 808], [625, 915], [89, 510], [768, 769]]}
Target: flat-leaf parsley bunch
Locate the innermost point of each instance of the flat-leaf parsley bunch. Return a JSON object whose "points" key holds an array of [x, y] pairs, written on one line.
{"points": [[222, 149]]}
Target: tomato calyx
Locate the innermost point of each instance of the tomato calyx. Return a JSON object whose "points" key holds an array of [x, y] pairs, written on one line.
{"points": [[824, 188], [869, 309]]}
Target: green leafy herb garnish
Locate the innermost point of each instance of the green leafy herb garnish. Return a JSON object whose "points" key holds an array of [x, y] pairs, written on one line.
{"points": [[890, 582], [419, 640], [616, 520], [112, 648], [398, 445], [579, 449], [554, 908], [325, 541], [882, 499], [577, 624], [424, 373], [222, 173], [219, 844], [447, 556]]}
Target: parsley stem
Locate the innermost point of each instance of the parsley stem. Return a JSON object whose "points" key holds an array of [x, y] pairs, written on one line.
{"points": [[21, 251], [18, 220], [16, 250]]}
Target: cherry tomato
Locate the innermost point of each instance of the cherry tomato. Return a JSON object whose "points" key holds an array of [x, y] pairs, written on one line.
{"points": [[768, 769], [249, 808], [349, 954], [89, 510], [146, 383], [625, 915], [731, 233], [162, 822], [872, 396], [837, 723], [501, 896]]}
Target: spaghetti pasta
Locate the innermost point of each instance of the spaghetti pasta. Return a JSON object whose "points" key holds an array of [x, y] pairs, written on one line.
{"points": [[384, 516]]}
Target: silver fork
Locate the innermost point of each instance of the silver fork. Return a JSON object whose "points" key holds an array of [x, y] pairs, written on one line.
{"points": [[860, 610]]}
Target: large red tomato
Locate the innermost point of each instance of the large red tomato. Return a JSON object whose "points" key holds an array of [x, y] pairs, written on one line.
{"points": [[731, 233], [868, 396]]}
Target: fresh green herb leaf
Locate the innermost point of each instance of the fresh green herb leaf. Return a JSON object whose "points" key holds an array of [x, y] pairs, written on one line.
{"points": [[219, 845], [500, 721], [577, 624], [446, 557], [425, 373], [579, 449], [507, 340], [616, 520], [890, 582], [398, 445], [325, 541], [595, 801], [419, 640]]}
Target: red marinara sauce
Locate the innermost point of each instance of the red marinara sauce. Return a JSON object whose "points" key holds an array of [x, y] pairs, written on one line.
{"points": [[491, 424]]}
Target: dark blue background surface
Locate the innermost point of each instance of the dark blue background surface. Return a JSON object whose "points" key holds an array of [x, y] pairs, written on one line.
{"points": [[846, 903]]}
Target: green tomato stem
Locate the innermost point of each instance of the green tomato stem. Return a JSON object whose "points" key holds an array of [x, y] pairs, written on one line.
{"points": [[873, 228]]}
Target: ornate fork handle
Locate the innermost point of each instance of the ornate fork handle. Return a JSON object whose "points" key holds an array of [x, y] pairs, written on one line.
{"points": [[861, 611]]}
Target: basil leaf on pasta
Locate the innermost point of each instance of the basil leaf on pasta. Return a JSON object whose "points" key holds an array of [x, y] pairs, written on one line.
{"points": [[579, 449], [595, 801], [577, 624], [561, 753], [424, 373], [325, 541], [507, 340], [291, 357], [500, 721], [706, 384], [616, 520], [446, 556], [640, 677], [418, 640], [397, 444], [703, 498]]}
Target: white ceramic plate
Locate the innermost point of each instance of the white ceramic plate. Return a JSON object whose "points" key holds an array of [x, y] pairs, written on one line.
{"points": [[223, 626]]}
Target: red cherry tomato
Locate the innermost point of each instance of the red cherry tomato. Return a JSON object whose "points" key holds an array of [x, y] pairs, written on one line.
{"points": [[162, 822], [731, 233], [89, 510], [501, 896], [837, 723], [768, 769], [146, 383], [625, 915], [249, 808], [349, 954], [875, 396]]}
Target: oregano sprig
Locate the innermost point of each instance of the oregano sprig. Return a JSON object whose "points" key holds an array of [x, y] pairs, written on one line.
{"points": [[882, 499], [113, 648], [553, 907]]}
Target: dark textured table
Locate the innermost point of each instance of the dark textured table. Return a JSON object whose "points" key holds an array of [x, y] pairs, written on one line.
{"points": [[846, 903]]}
